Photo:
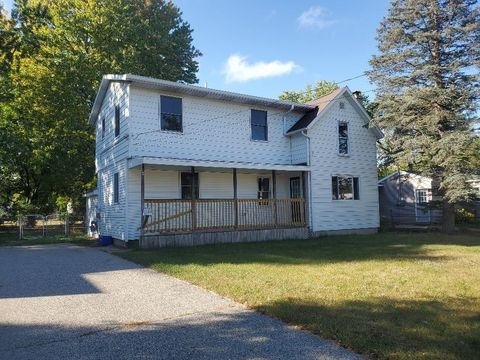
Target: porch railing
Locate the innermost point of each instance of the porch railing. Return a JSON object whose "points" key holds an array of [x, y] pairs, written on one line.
{"points": [[171, 215]]}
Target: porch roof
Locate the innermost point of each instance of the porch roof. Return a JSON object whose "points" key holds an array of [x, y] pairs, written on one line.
{"points": [[138, 161]]}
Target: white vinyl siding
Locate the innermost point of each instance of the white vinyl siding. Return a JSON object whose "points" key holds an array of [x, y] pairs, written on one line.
{"points": [[111, 157], [213, 130], [299, 149], [328, 214]]}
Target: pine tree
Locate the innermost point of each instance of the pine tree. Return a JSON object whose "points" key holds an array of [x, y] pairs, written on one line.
{"points": [[427, 81]]}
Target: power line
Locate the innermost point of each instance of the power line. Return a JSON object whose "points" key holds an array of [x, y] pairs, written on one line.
{"points": [[135, 136], [235, 113]]}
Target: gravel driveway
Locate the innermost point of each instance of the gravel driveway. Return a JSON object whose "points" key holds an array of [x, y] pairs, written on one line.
{"points": [[63, 301]]}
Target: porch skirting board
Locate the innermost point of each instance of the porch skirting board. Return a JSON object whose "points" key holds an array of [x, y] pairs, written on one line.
{"points": [[364, 231], [222, 237]]}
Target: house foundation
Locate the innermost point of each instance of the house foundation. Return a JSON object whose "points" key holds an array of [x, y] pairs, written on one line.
{"points": [[221, 237]]}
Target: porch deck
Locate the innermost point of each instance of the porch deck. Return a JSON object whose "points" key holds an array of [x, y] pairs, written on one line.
{"points": [[177, 215]]}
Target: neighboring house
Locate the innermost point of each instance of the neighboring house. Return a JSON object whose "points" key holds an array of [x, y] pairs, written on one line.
{"points": [[213, 166], [405, 198]]}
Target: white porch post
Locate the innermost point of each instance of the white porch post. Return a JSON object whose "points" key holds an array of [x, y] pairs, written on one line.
{"points": [[142, 202], [274, 191], [235, 197]]}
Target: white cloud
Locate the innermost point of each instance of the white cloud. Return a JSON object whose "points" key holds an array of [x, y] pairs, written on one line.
{"points": [[238, 69], [316, 17]]}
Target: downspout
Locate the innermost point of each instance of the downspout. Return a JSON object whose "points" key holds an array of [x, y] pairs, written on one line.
{"points": [[310, 207]]}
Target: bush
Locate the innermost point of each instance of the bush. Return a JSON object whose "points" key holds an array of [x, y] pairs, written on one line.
{"points": [[464, 216]]}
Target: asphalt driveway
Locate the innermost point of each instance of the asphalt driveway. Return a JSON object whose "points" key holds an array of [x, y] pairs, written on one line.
{"points": [[64, 301]]}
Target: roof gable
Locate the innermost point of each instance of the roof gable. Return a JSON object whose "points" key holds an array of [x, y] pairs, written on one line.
{"points": [[323, 103]]}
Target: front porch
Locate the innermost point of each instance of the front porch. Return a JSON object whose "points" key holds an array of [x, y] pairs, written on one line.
{"points": [[182, 204]]}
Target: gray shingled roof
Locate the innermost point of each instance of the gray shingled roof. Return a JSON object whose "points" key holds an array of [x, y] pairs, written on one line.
{"points": [[320, 104]]}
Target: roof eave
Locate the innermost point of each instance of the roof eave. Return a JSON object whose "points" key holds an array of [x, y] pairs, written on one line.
{"points": [[175, 87]]}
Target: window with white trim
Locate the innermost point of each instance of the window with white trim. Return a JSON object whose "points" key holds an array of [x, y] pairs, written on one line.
{"points": [[117, 120], [263, 188], [345, 188], [187, 181], [116, 188], [171, 113], [343, 138], [258, 121], [422, 196]]}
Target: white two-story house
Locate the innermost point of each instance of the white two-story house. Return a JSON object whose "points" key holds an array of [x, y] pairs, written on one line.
{"points": [[181, 164]]}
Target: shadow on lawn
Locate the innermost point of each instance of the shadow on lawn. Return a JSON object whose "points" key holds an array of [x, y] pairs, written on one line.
{"points": [[314, 251], [389, 328]]}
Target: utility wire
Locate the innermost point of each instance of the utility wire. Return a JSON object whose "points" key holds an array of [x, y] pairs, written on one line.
{"points": [[248, 110], [231, 114]]}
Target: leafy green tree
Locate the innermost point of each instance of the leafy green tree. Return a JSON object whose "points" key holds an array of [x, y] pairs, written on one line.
{"points": [[321, 88], [427, 78], [52, 56]]}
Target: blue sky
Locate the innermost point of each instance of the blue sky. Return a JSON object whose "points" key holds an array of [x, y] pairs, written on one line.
{"points": [[264, 47]]}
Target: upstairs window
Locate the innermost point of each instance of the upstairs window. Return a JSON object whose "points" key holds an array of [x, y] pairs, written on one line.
{"points": [[171, 113], [258, 120], [263, 188], [117, 120], [345, 188], [187, 183], [116, 185], [103, 128], [343, 138]]}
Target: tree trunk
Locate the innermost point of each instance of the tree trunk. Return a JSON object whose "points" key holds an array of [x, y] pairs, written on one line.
{"points": [[448, 223]]}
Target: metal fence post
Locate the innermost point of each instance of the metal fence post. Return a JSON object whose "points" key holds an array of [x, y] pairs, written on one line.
{"points": [[20, 227], [66, 225]]}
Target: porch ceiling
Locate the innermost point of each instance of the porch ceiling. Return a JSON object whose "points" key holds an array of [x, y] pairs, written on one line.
{"points": [[136, 162]]}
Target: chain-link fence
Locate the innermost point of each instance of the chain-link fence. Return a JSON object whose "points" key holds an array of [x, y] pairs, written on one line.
{"points": [[35, 225]]}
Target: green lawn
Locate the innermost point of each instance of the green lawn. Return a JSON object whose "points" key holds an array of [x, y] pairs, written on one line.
{"points": [[10, 238], [388, 295]]}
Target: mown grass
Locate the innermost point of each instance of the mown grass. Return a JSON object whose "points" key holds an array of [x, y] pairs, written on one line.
{"points": [[35, 237], [390, 295]]}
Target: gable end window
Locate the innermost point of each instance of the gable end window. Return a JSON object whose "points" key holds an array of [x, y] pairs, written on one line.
{"points": [[103, 128], [117, 120], [187, 183], [258, 122], [343, 138], [171, 113], [345, 188], [116, 185]]}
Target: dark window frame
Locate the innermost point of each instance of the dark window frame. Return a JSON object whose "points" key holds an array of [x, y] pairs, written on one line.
{"points": [[255, 124], [186, 186], [117, 121], [116, 188], [354, 184], [103, 127], [343, 141], [177, 116], [263, 188]]}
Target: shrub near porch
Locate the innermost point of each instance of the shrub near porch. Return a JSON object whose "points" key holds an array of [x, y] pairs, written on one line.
{"points": [[388, 296]]}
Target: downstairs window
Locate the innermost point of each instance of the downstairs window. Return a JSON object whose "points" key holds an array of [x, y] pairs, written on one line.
{"points": [[345, 188]]}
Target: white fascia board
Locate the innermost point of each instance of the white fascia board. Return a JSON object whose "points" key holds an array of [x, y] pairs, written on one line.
{"points": [[138, 161]]}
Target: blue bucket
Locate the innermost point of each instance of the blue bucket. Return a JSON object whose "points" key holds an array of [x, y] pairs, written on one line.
{"points": [[105, 240]]}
